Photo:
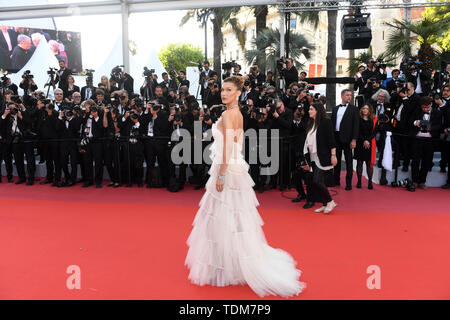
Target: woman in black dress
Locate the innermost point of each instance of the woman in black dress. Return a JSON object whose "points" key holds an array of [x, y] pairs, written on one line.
{"points": [[71, 88], [366, 146]]}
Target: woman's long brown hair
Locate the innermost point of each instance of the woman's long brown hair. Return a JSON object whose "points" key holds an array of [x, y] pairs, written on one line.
{"points": [[321, 114]]}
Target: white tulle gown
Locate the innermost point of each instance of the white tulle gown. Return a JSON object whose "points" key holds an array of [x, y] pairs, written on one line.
{"points": [[227, 245]]}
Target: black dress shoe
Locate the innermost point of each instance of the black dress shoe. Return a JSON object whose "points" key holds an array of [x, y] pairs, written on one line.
{"points": [[10, 180], [87, 184], [140, 185], [446, 186], [282, 188], [348, 188], [71, 184], [308, 205], [20, 181], [116, 185], [110, 184], [383, 182], [30, 182], [358, 185], [370, 186], [46, 181], [299, 198], [98, 185], [198, 187]]}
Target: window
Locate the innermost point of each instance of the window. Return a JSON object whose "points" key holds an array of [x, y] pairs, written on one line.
{"points": [[237, 54], [340, 68], [293, 23]]}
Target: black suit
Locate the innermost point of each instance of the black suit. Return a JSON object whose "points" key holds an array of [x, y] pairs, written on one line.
{"points": [[94, 149], [61, 78], [348, 131], [290, 75], [5, 53], [84, 93], [423, 147], [70, 130], [47, 131]]}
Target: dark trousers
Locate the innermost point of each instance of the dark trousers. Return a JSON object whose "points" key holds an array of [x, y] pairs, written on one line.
{"points": [[171, 167], [299, 176], [135, 163], [111, 157], [51, 154], [69, 154], [19, 150], [94, 153], [422, 152], [404, 144], [152, 151], [318, 184], [343, 147], [2, 156]]}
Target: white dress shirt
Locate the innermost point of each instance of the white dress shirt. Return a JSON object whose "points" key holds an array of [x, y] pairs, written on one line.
{"points": [[340, 115]]}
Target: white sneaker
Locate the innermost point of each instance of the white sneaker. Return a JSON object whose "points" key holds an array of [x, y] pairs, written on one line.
{"points": [[330, 207], [320, 209]]}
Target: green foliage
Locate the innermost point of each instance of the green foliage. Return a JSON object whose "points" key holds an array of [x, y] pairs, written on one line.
{"points": [[437, 14], [180, 55], [270, 40], [362, 59]]}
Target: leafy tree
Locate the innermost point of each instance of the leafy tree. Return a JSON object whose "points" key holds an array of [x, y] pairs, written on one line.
{"points": [[178, 56], [270, 40]]}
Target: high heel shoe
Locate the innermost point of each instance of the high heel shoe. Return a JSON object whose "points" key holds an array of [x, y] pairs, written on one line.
{"points": [[330, 206]]}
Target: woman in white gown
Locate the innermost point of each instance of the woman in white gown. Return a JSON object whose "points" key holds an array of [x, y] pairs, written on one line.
{"points": [[227, 245]]}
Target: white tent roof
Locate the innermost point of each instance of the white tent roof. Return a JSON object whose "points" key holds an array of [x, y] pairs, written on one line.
{"points": [[153, 62], [115, 58], [42, 59]]}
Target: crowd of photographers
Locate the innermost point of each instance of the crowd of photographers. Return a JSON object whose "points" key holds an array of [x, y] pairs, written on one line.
{"points": [[108, 126]]}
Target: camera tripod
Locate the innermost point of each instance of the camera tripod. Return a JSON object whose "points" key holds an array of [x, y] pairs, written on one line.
{"points": [[50, 82]]}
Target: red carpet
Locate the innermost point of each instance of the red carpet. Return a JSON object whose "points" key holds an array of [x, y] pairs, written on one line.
{"points": [[130, 243]]}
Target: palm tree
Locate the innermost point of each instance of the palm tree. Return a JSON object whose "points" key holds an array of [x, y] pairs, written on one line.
{"points": [[313, 18], [260, 13], [270, 40], [219, 17], [426, 31], [362, 59]]}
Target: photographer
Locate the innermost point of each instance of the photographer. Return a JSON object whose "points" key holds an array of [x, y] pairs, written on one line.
{"points": [[395, 83], [375, 69], [418, 78], [133, 157], [111, 146], [59, 102], [182, 81], [124, 80], [88, 91], [27, 83], [289, 72], [156, 129], [120, 101], [446, 124], [258, 121], [372, 86], [167, 83], [68, 128], [205, 74], [256, 77], [159, 97], [247, 93], [14, 123], [359, 80], [269, 80], [282, 120], [441, 78], [237, 70], [7, 98], [61, 75], [213, 95], [176, 124], [443, 104], [92, 132], [425, 125], [47, 119]]}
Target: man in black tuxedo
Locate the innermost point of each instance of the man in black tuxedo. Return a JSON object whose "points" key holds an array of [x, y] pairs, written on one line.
{"points": [[425, 125], [289, 72], [256, 77], [14, 123], [88, 91], [182, 80], [46, 123], [156, 125], [167, 84], [61, 75], [345, 118], [93, 131], [422, 83], [392, 84], [203, 80], [68, 127], [445, 109]]}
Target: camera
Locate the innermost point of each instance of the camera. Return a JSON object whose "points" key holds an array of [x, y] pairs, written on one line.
{"points": [[93, 109], [259, 113], [68, 113], [246, 83], [148, 72], [134, 116], [405, 183], [51, 71], [138, 102], [425, 125], [206, 117], [380, 64], [27, 75], [16, 99], [280, 63], [176, 117], [229, 65], [13, 111], [200, 66], [156, 107], [116, 73]]}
